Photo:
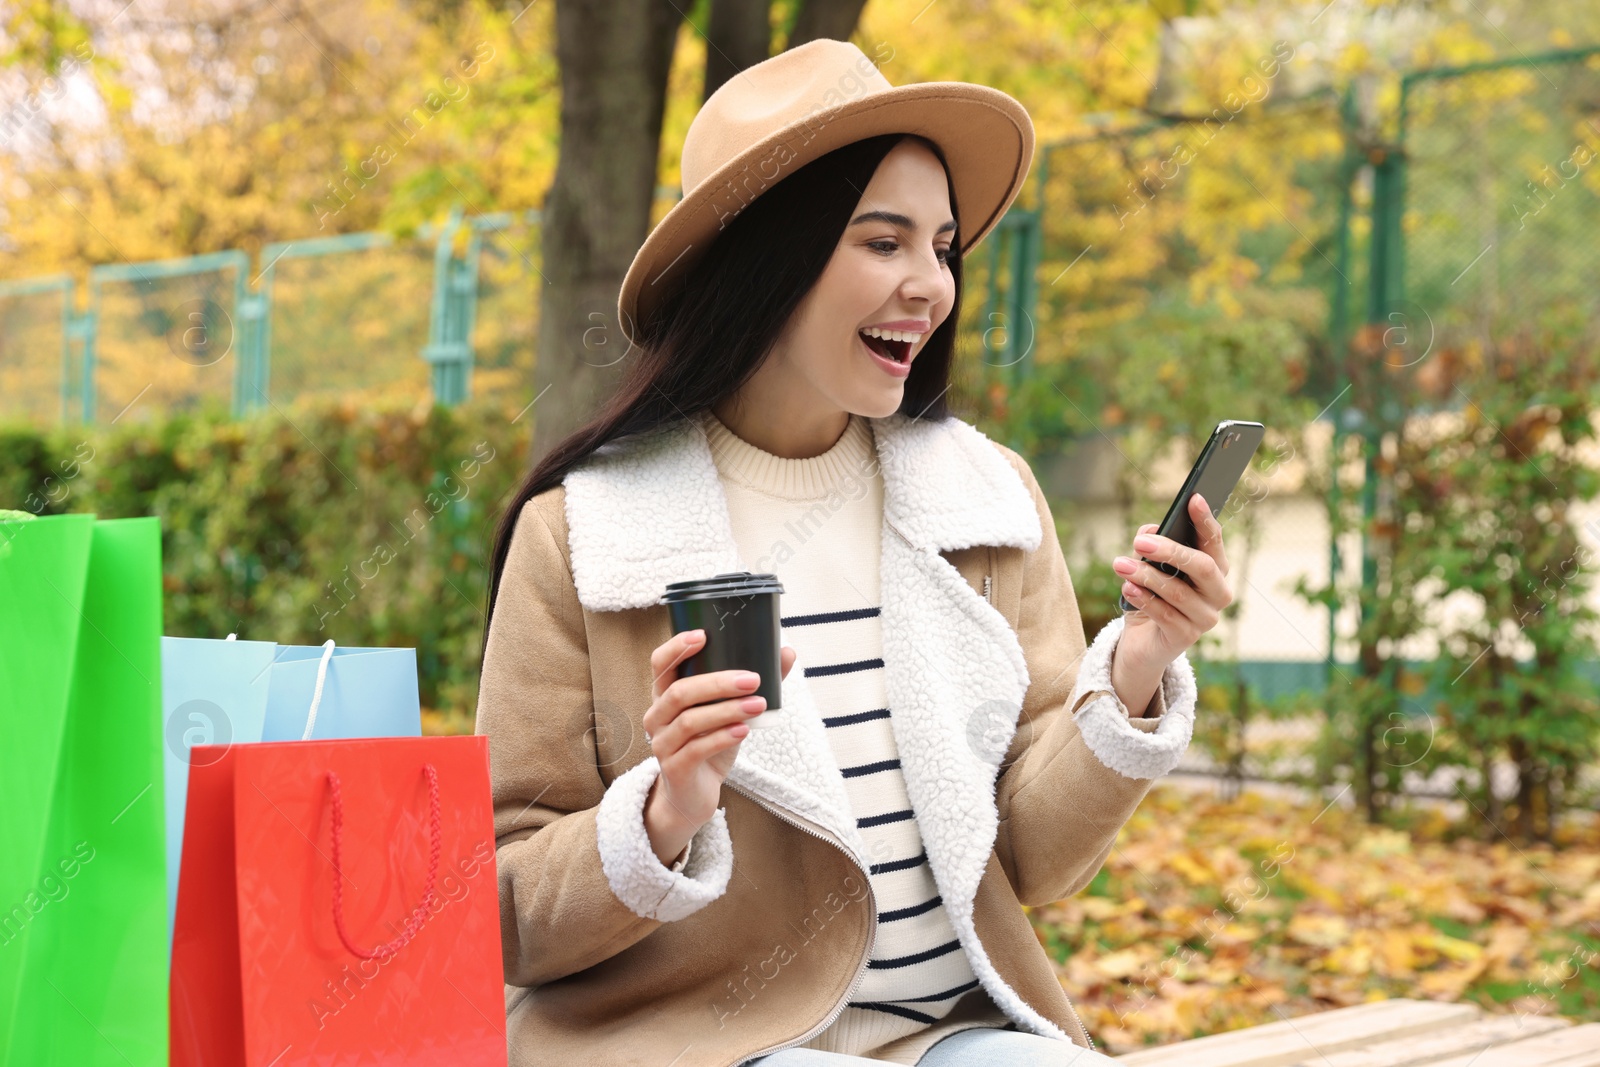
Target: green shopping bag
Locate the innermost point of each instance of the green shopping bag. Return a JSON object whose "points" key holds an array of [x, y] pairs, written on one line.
{"points": [[82, 851]]}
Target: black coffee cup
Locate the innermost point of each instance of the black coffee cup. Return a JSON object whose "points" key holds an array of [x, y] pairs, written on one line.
{"points": [[739, 613]]}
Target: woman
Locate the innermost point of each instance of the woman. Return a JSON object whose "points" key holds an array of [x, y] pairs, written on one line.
{"points": [[950, 750]]}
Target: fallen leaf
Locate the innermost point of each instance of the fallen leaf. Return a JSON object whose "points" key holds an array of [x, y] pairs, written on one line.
{"points": [[1122, 964], [1322, 931]]}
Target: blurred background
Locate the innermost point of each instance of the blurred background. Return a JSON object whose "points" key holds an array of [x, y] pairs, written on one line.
{"points": [[315, 283]]}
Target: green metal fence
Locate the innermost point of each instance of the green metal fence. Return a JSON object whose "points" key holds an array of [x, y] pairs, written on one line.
{"points": [[359, 315], [1496, 216], [38, 377]]}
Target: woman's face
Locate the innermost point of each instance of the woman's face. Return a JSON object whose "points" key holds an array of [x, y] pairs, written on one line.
{"points": [[887, 273]]}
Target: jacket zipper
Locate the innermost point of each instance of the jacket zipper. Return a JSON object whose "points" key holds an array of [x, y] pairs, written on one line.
{"points": [[872, 931], [1079, 1019], [872, 935], [988, 588]]}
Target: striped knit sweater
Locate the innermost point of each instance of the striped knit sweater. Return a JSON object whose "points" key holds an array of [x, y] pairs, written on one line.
{"points": [[817, 524]]}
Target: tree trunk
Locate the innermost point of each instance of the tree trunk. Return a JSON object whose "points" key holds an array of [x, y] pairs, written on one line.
{"points": [[1366, 754], [833, 19], [614, 57], [1524, 764], [1238, 728], [738, 35], [1165, 97], [1493, 815], [1367, 655], [1559, 789]]}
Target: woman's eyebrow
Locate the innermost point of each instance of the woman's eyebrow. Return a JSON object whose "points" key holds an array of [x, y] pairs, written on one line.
{"points": [[894, 218]]}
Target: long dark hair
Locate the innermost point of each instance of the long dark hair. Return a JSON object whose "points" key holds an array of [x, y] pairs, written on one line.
{"points": [[713, 333]]}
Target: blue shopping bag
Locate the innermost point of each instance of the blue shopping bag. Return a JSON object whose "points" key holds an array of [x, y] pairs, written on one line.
{"points": [[240, 692], [368, 692]]}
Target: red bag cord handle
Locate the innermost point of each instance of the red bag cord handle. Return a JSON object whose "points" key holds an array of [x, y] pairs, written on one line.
{"points": [[419, 914]]}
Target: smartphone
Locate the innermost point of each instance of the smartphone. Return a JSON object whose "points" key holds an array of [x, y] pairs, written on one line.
{"points": [[1221, 464]]}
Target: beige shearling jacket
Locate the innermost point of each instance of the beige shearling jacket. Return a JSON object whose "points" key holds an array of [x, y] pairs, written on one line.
{"points": [[1019, 759]]}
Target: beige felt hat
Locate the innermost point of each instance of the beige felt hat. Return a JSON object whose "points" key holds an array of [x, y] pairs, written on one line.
{"points": [[771, 119]]}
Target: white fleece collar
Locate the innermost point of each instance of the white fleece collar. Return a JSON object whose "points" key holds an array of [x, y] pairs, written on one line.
{"points": [[648, 511]]}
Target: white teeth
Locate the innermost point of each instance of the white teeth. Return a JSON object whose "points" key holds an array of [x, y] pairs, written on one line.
{"points": [[892, 335]]}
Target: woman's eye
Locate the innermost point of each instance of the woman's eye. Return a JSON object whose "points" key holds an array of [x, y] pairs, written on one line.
{"points": [[889, 247]]}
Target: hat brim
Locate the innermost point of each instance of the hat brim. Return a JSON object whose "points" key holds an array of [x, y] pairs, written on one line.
{"points": [[986, 136]]}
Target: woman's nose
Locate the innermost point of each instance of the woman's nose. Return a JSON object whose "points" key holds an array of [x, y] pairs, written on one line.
{"points": [[926, 277]]}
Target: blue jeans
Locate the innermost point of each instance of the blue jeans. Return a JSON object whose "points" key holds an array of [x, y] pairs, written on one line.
{"points": [[981, 1047]]}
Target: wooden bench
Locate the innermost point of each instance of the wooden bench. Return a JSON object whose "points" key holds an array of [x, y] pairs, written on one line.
{"points": [[1389, 1033]]}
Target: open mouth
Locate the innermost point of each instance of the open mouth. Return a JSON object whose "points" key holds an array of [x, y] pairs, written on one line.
{"points": [[899, 351]]}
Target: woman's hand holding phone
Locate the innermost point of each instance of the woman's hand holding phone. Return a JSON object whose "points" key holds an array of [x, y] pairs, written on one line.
{"points": [[1172, 612], [694, 726]]}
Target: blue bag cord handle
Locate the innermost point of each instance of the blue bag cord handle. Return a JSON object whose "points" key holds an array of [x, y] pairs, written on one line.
{"points": [[316, 696]]}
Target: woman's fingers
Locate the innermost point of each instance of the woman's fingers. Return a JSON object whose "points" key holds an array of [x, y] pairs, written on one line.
{"points": [[708, 745], [685, 694], [684, 711], [665, 659], [703, 719], [1188, 600], [1162, 613], [1206, 576], [1209, 532]]}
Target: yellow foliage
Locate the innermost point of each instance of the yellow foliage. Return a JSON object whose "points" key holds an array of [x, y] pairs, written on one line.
{"points": [[326, 140], [197, 177]]}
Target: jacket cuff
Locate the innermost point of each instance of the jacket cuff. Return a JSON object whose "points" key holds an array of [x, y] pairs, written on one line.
{"points": [[1147, 747], [636, 874], [1149, 723]]}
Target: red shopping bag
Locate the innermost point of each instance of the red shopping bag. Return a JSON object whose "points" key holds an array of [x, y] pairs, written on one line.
{"points": [[338, 904]]}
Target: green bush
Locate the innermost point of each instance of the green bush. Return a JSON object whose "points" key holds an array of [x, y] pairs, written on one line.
{"points": [[1477, 502], [370, 525]]}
